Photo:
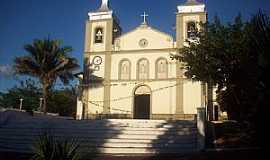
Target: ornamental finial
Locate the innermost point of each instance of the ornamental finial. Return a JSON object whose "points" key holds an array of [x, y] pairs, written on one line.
{"points": [[104, 5], [192, 2]]}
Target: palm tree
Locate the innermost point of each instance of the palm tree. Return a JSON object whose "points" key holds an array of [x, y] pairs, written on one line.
{"points": [[47, 61]]}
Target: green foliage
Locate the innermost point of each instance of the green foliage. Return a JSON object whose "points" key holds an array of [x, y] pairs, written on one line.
{"points": [[67, 150], [48, 148], [28, 90], [235, 58], [44, 148], [63, 101], [47, 60]]}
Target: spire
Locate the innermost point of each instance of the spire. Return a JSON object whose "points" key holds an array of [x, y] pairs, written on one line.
{"points": [[104, 6]]}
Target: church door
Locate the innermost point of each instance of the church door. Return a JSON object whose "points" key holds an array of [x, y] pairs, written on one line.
{"points": [[142, 103], [142, 107]]}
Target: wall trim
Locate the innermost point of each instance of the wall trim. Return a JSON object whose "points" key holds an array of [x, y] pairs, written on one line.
{"points": [[135, 51]]}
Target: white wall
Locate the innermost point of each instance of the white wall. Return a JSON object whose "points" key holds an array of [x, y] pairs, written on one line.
{"points": [[163, 101], [96, 94], [155, 38], [135, 57], [192, 97]]}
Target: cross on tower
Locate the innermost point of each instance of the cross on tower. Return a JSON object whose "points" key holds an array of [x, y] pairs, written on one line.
{"points": [[144, 17]]}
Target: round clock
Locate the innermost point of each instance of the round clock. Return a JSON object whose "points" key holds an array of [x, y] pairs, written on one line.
{"points": [[143, 43], [97, 60]]}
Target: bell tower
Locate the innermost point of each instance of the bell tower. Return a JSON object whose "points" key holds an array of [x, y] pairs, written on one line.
{"points": [[188, 19], [102, 27]]}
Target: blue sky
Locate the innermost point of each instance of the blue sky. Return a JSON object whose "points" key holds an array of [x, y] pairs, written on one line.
{"points": [[21, 21]]}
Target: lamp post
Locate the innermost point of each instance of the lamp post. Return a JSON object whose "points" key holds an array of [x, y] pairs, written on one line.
{"points": [[40, 104], [21, 103]]}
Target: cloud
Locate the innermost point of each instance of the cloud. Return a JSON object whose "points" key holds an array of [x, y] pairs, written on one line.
{"points": [[6, 70]]}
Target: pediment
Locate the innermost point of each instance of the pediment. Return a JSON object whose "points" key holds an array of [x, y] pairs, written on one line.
{"points": [[144, 37]]}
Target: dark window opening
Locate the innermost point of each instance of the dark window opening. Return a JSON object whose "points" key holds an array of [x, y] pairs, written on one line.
{"points": [[99, 35], [191, 30]]}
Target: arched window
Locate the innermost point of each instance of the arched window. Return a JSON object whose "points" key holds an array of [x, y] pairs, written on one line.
{"points": [[191, 30], [143, 69], [161, 68], [124, 69], [99, 35]]}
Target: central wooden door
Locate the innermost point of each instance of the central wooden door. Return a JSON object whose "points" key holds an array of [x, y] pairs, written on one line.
{"points": [[142, 106]]}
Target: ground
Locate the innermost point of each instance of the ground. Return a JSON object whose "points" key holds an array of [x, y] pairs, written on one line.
{"points": [[209, 155]]}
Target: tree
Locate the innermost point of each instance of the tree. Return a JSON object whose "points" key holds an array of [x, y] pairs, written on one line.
{"points": [[47, 60], [259, 29], [222, 59], [63, 101], [235, 58], [28, 90]]}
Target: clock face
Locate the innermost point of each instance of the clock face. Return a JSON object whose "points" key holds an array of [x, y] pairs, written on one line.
{"points": [[97, 60], [143, 43]]}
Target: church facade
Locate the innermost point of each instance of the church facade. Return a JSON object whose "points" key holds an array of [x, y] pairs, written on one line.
{"points": [[132, 75]]}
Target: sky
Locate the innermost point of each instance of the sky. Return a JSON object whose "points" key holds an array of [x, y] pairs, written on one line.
{"points": [[22, 21]]}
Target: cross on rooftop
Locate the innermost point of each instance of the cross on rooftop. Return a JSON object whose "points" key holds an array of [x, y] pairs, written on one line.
{"points": [[144, 17]]}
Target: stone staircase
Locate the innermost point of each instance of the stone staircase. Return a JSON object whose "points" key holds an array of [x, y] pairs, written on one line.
{"points": [[103, 136]]}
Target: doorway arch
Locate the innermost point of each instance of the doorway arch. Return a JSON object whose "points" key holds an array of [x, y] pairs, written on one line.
{"points": [[142, 102]]}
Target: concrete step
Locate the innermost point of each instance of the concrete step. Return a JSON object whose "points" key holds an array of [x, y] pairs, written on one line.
{"points": [[112, 145], [116, 136], [24, 148], [108, 125], [142, 150], [30, 140], [105, 136], [104, 122], [29, 131], [116, 128]]}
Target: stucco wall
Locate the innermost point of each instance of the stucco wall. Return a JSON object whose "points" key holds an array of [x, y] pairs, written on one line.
{"points": [[192, 97], [162, 97], [96, 97], [155, 38], [151, 56]]}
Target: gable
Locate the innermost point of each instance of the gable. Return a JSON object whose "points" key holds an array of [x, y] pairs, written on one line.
{"points": [[144, 37]]}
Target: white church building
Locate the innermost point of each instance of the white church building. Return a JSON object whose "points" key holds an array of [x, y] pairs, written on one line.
{"points": [[132, 75]]}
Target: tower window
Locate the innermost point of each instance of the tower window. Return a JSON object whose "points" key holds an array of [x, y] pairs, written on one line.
{"points": [[99, 35], [191, 30]]}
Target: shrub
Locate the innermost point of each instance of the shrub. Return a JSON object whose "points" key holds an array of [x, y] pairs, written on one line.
{"points": [[48, 148]]}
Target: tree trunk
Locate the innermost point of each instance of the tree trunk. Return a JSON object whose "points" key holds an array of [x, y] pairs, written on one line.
{"points": [[210, 107], [45, 97]]}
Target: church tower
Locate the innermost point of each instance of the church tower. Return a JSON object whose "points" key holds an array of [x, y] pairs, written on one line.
{"points": [[102, 28], [188, 19]]}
